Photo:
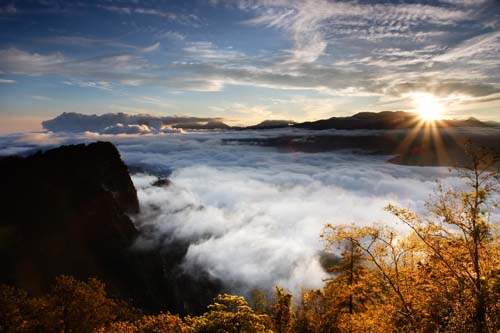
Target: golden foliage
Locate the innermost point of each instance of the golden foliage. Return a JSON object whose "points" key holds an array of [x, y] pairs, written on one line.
{"points": [[230, 314]]}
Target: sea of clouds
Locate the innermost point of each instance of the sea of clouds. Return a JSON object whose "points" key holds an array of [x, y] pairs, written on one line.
{"points": [[253, 215]]}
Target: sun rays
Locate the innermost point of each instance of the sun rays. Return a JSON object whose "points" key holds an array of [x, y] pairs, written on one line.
{"points": [[425, 135]]}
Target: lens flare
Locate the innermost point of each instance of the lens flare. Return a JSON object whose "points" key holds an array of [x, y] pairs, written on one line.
{"points": [[428, 107]]}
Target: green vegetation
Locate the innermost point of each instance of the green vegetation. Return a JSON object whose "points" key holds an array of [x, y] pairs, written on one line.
{"points": [[441, 276]]}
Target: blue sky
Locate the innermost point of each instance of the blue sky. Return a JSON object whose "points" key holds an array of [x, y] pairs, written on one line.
{"points": [[247, 60]]}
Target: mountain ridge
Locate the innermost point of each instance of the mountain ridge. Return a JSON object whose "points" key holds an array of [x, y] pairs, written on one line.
{"points": [[121, 123]]}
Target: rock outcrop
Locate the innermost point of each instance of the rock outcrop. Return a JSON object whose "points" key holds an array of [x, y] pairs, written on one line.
{"points": [[64, 211]]}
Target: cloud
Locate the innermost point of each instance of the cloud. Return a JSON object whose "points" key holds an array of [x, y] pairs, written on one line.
{"points": [[243, 210], [170, 34], [311, 23], [123, 68], [82, 41], [7, 81], [89, 84], [115, 123], [488, 43], [185, 19], [208, 51], [151, 48], [367, 51], [251, 216], [17, 61], [41, 98]]}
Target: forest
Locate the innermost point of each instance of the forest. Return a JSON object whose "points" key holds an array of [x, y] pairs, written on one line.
{"points": [[441, 275]]}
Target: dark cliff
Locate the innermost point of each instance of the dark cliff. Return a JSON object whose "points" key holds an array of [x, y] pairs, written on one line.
{"points": [[63, 212]]}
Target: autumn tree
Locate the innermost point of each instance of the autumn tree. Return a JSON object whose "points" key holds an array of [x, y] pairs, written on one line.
{"points": [[14, 309], [70, 306], [162, 323], [230, 314], [443, 275], [461, 239], [282, 313]]}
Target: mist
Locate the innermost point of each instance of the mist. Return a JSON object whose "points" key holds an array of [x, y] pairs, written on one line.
{"points": [[252, 216]]}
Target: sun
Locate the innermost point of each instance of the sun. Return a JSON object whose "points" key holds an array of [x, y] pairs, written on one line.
{"points": [[428, 107]]}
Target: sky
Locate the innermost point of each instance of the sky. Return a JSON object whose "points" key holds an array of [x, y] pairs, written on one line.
{"points": [[247, 60]]}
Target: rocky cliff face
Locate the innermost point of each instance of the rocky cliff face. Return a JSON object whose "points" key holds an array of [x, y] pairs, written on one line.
{"points": [[64, 212]]}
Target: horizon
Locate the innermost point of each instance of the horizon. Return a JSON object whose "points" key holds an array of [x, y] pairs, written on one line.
{"points": [[248, 61], [10, 128]]}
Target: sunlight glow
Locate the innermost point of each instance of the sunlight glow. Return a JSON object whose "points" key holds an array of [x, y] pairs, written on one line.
{"points": [[428, 107]]}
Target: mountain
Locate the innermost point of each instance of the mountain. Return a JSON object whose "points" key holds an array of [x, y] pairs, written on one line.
{"points": [[364, 120], [210, 125], [65, 211], [383, 120], [122, 123], [271, 124]]}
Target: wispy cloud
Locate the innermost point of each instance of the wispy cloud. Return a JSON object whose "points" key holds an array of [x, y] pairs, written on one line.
{"points": [[90, 84], [487, 44], [311, 24], [185, 19], [208, 51], [170, 34], [17, 61], [151, 48], [7, 81], [41, 98], [359, 50]]}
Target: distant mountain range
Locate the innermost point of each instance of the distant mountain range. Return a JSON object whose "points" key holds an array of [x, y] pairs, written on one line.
{"points": [[385, 120], [119, 123]]}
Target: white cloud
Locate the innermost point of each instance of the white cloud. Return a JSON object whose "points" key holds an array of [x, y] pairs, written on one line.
{"points": [[185, 19], [151, 48], [89, 84], [21, 62], [208, 51], [485, 44], [253, 215], [170, 34], [243, 208], [7, 81], [41, 98], [311, 22]]}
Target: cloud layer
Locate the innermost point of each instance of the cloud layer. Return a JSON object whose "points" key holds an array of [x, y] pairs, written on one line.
{"points": [[252, 216]]}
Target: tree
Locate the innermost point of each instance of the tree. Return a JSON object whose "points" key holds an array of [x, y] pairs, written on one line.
{"points": [[358, 289], [443, 275], [162, 323], [13, 310], [281, 311], [461, 237], [230, 314]]}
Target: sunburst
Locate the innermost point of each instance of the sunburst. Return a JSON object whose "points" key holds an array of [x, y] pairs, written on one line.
{"points": [[428, 107], [425, 130]]}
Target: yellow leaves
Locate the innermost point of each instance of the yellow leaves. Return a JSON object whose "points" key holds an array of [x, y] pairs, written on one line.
{"points": [[230, 313], [281, 311]]}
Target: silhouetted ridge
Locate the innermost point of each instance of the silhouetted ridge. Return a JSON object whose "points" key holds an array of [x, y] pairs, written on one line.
{"points": [[385, 120], [64, 212], [365, 120]]}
